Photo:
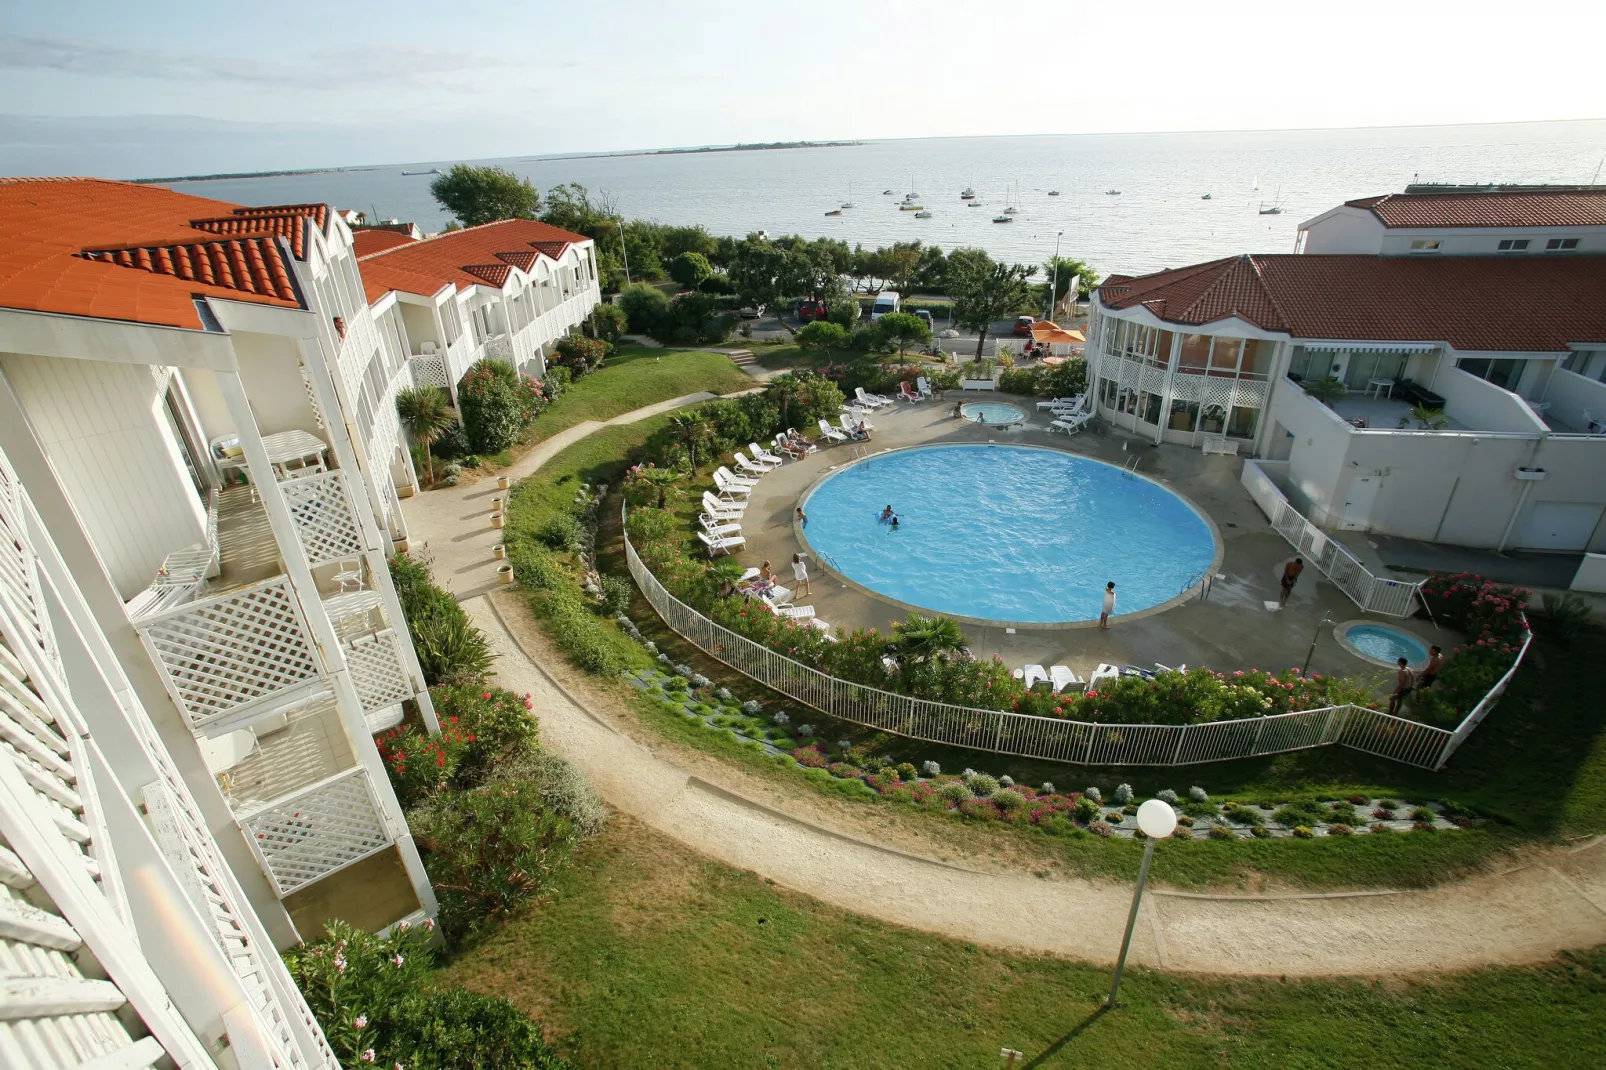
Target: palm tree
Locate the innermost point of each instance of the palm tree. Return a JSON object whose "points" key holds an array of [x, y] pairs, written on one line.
{"points": [[921, 637], [426, 415], [692, 428]]}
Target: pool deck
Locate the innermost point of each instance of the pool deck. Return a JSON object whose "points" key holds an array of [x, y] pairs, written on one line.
{"points": [[1232, 629]]}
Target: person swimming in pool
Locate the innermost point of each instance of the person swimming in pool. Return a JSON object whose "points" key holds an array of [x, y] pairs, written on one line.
{"points": [[887, 514]]}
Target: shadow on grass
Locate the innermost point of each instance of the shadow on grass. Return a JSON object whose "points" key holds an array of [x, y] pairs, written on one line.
{"points": [[1081, 1027]]}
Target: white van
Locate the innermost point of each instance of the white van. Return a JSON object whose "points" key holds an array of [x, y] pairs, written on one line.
{"points": [[885, 301]]}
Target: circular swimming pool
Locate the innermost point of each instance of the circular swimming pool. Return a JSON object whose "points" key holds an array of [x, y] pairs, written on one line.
{"points": [[1007, 533], [1381, 644], [991, 412]]}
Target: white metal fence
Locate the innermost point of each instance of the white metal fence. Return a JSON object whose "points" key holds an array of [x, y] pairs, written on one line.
{"points": [[1375, 594], [1052, 738]]}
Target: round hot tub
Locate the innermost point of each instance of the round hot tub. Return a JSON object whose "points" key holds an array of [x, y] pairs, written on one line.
{"points": [[991, 412], [1381, 644]]}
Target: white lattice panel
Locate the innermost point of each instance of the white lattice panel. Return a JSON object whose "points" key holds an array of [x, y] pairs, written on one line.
{"points": [[377, 671], [1153, 379], [318, 831], [1185, 387], [321, 509], [430, 371], [1250, 393], [224, 652], [498, 347], [1217, 392]]}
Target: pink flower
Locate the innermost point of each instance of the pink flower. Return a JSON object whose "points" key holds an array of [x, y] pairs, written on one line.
{"points": [[361, 1021], [367, 1056], [398, 960]]}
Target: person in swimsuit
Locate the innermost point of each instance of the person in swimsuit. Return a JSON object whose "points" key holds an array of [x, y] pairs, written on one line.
{"points": [[1109, 605], [766, 578], [1404, 684], [802, 517], [886, 514], [1430, 671], [1291, 573], [800, 573]]}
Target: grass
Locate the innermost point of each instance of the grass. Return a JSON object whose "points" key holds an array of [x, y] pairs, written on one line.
{"points": [[644, 954]]}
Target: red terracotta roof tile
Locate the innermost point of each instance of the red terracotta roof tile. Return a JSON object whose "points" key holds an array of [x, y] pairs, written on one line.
{"points": [[375, 240], [1493, 208], [423, 267], [1502, 304], [524, 260], [495, 274], [119, 250]]}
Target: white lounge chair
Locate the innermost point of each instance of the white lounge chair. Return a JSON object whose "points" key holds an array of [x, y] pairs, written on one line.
{"points": [[1103, 672], [924, 385], [787, 609], [723, 510], [718, 528], [1071, 424], [857, 416], [724, 544], [745, 465], [1062, 403], [1077, 405], [907, 394], [830, 432], [732, 477], [1033, 675], [1061, 677], [764, 456], [729, 488], [871, 401]]}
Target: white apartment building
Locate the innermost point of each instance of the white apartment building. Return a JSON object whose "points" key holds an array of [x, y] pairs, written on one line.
{"points": [[507, 291], [200, 405], [125, 937], [1503, 352]]}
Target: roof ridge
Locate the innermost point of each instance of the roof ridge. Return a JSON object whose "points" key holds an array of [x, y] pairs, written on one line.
{"points": [[1260, 279]]}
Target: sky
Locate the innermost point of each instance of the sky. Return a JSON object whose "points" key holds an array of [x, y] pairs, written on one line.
{"points": [[169, 87]]}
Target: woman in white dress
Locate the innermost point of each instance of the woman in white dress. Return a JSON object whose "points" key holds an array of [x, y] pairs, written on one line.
{"points": [[800, 573], [1109, 605]]}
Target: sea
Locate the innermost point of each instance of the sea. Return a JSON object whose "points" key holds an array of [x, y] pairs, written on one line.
{"points": [[1125, 202]]}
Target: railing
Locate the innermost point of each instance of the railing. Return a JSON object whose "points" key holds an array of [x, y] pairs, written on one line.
{"points": [[320, 506], [220, 654], [377, 670], [1375, 594], [429, 369], [313, 833], [1048, 738], [1481, 710]]}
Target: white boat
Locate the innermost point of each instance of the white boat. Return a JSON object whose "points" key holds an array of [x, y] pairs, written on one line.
{"points": [[1003, 219], [922, 214], [973, 204], [967, 193], [1112, 193], [886, 193], [849, 202], [911, 208]]}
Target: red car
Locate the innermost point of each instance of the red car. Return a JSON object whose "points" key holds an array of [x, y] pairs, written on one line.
{"points": [[1023, 326], [809, 311]]}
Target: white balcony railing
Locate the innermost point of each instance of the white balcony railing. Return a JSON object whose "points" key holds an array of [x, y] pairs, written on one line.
{"points": [[315, 832], [377, 670], [320, 506]]}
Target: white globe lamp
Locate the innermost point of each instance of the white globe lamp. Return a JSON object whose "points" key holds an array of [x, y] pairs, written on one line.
{"points": [[1157, 821]]}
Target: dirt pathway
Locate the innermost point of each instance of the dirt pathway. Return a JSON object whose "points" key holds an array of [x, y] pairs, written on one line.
{"points": [[1521, 915]]}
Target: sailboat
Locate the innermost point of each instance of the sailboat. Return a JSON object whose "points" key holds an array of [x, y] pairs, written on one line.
{"points": [[1053, 193], [1003, 219], [849, 202], [1274, 209], [1205, 197], [967, 194], [1112, 193], [1011, 210]]}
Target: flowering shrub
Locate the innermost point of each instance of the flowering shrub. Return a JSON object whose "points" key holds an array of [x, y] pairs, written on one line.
{"points": [[1166, 795], [497, 403], [953, 791], [1198, 794], [980, 809], [479, 727], [982, 784], [1122, 794], [810, 757]]}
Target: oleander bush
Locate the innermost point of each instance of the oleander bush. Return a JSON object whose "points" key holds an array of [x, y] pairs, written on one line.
{"points": [[450, 649], [480, 727], [497, 404]]}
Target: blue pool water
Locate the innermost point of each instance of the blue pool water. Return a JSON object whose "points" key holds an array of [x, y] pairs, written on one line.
{"points": [[1381, 641], [996, 412], [1007, 533]]}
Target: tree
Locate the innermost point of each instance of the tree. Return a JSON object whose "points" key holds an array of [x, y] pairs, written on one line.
{"points": [[426, 415], [895, 265], [690, 270], [607, 322], [478, 195], [821, 335], [644, 307], [985, 292], [904, 329], [692, 429], [755, 269], [921, 637], [1069, 267]]}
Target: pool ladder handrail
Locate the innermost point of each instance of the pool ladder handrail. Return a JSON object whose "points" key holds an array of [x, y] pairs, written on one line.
{"points": [[1203, 580], [1130, 468]]}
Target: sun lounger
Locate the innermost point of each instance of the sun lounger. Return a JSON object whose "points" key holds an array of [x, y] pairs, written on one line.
{"points": [[924, 386], [728, 486], [1101, 674], [908, 394], [1166, 668], [745, 465], [732, 477], [724, 510], [1071, 424], [1136, 670], [724, 544], [795, 437], [1063, 403], [763, 456], [719, 528], [854, 417], [786, 448], [1061, 677], [787, 609], [870, 401], [1034, 674], [830, 432]]}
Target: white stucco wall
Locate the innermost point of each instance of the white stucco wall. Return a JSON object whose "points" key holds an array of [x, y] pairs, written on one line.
{"points": [[1571, 396], [271, 373], [102, 426], [1485, 241], [1482, 406], [1344, 230]]}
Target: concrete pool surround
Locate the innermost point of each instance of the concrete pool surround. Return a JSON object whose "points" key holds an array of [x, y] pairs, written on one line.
{"points": [[826, 568]]}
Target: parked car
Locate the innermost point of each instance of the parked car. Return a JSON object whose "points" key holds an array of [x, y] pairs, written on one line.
{"points": [[925, 317], [749, 312], [886, 301], [809, 311], [1023, 326]]}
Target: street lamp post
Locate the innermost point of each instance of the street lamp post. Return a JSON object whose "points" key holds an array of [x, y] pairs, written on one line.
{"points": [[1054, 287], [1157, 820], [622, 250], [1312, 651]]}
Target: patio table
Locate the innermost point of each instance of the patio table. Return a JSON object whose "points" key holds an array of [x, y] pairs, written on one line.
{"points": [[1376, 388]]}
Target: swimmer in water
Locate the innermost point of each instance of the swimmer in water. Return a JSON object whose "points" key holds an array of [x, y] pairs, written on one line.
{"points": [[886, 514]]}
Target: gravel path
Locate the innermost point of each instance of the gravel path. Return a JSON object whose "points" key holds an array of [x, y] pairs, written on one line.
{"points": [[1521, 915]]}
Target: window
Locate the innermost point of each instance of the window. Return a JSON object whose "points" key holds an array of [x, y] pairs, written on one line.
{"points": [[1590, 363], [1502, 373], [1425, 245], [1513, 245], [1561, 244]]}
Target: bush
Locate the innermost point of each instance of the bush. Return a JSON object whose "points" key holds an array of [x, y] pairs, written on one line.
{"points": [[490, 850], [579, 633], [982, 784], [821, 335], [1198, 794], [450, 649], [953, 791], [931, 768], [606, 321], [579, 354], [907, 771], [1221, 832], [644, 307], [534, 567], [1008, 799], [1563, 617], [497, 404], [1259, 832], [479, 729], [563, 531], [557, 381], [1303, 832], [1099, 828], [1122, 794], [1095, 794], [1087, 810], [466, 1030], [1166, 795], [454, 443], [616, 594], [564, 787], [1340, 829]]}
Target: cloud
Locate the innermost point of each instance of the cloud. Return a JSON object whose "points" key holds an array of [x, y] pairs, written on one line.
{"points": [[343, 70]]}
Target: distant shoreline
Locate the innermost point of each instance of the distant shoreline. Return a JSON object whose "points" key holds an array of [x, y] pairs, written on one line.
{"points": [[254, 174]]}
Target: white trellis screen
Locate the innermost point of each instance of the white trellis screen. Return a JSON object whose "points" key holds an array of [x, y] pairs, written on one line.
{"points": [[376, 667], [320, 506], [221, 653], [430, 371], [314, 832]]}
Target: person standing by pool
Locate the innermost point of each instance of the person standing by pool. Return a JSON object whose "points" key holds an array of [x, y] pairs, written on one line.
{"points": [[1291, 573], [802, 517], [1109, 605], [1430, 671], [800, 573], [1404, 684]]}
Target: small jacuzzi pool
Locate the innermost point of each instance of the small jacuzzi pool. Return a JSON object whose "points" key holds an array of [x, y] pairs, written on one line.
{"points": [[991, 412], [1381, 644]]}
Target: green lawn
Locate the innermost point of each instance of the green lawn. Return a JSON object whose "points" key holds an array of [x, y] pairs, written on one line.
{"points": [[647, 955]]}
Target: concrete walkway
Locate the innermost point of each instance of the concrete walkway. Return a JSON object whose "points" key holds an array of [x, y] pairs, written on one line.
{"points": [[1517, 916]]}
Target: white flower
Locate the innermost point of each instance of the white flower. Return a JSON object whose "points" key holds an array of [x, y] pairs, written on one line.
{"points": [[931, 768], [340, 963], [367, 1056], [398, 960], [361, 1021]]}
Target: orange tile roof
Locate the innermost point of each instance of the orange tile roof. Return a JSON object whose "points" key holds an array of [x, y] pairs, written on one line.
{"points": [[1503, 304], [1491, 208], [463, 258], [374, 240], [122, 251]]}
